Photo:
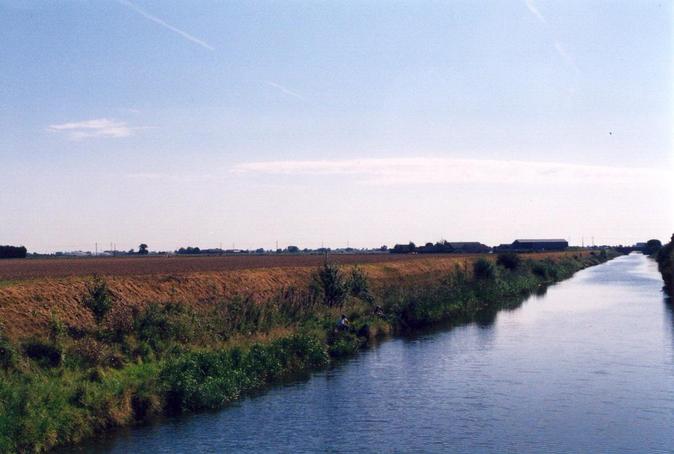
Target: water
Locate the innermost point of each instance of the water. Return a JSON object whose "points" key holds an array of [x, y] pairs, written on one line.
{"points": [[587, 367]]}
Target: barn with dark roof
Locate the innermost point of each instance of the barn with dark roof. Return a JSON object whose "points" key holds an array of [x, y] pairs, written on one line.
{"points": [[540, 245]]}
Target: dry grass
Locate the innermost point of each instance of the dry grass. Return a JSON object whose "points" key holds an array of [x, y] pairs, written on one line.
{"points": [[25, 269], [27, 305]]}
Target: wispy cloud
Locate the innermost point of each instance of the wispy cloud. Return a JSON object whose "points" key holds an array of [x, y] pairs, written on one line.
{"points": [[159, 21], [559, 47], [423, 170], [97, 128], [169, 177], [285, 90], [534, 10], [568, 58]]}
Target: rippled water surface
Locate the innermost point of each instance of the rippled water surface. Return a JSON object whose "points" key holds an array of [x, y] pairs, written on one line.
{"points": [[587, 367]]}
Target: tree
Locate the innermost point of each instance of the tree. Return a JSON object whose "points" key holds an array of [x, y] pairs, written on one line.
{"points": [[12, 252], [652, 247], [142, 249]]}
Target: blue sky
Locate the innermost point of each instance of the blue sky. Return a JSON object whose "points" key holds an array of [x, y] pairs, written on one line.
{"points": [[177, 123]]}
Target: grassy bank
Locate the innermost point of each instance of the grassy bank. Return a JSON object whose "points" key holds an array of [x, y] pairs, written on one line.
{"points": [[162, 359], [665, 259]]}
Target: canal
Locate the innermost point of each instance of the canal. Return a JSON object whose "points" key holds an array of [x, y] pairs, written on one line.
{"points": [[586, 367]]}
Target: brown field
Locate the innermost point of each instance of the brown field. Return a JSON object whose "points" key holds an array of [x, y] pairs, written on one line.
{"points": [[32, 289], [22, 269]]}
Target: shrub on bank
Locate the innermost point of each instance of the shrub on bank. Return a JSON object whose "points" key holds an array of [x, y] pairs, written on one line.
{"points": [[483, 269], [97, 298], [665, 259], [330, 284], [7, 354], [359, 286], [509, 260], [46, 354]]}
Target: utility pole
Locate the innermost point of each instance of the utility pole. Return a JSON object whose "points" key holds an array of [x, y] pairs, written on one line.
{"points": [[96, 253]]}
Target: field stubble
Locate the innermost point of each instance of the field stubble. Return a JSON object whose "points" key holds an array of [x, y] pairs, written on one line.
{"points": [[34, 290]]}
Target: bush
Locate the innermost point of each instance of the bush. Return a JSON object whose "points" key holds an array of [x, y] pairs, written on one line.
{"points": [[120, 322], [509, 260], [343, 344], [7, 354], [88, 352], [45, 353], [97, 298], [329, 281], [159, 324], [540, 270], [359, 285], [483, 269]]}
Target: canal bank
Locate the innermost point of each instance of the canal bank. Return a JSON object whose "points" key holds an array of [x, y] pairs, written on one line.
{"points": [[587, 367], [46, 407]]}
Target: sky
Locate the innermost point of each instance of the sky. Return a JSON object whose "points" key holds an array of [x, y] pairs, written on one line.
{"points": [[360, 123]]}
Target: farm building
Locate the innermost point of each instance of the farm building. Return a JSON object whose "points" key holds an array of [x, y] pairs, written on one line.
{"points": [[540, 245], [467, 247]]}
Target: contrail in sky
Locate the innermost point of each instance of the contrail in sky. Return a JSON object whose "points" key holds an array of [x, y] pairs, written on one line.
{"points": [[532, 7], [156, 20], [285, 90], [561, 50]]}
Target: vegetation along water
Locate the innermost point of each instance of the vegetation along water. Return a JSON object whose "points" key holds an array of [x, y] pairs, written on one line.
{"points": [[136, 364]]}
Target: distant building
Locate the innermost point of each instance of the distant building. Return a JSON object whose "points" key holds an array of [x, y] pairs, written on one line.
{"points": [[540, 245], [469, 247]]}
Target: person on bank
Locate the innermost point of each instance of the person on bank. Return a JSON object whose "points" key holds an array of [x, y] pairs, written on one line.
{"points": [[343, 324], [379, 311]]}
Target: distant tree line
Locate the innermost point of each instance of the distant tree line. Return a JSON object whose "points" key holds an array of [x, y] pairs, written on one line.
{"points": [[188, 250], [428, 248], [13, 252]]}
